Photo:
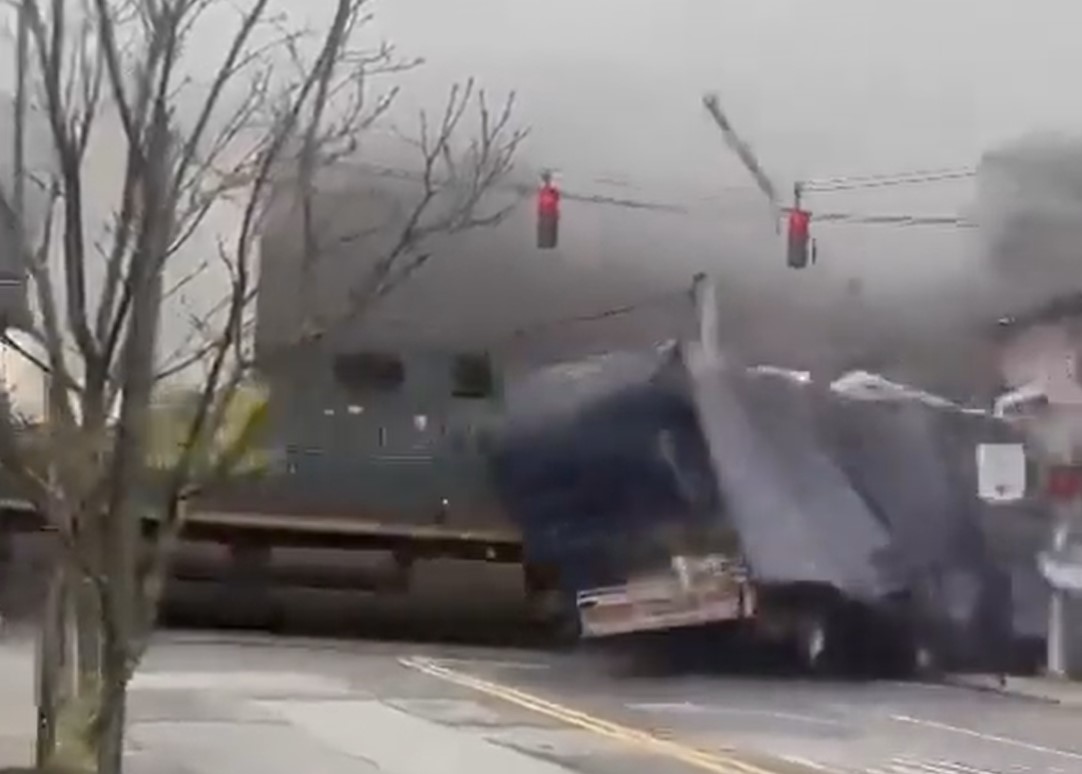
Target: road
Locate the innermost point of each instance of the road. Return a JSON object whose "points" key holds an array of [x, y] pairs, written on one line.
{"points": [[232, 703], [207, 702], [872, 727]]}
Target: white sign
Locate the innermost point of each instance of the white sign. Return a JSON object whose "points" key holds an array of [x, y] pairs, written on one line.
{"points": [[1001, 472]]}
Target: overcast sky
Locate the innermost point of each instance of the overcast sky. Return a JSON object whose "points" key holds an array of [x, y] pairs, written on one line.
{"points": [[612, 89], [821, 86]]}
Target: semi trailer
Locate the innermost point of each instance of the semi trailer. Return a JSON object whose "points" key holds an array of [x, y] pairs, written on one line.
{"points": [[837, 521]]}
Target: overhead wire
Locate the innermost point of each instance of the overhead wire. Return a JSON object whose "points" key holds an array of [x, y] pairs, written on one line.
{"points": [[904, 220], [915, 177], [823, 185], [752, 164], [656, 300], [820, 185], [863, 182]]}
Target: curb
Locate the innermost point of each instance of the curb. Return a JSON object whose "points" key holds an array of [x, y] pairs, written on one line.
{"points": [[981, 686]]}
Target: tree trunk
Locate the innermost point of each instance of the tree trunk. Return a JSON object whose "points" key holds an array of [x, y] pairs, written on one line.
{"points": [[50, 667], [112, 709], [80, 688]]}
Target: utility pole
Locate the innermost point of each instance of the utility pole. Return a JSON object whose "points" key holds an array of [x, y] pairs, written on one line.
{"points": [[706, 310], [1065, 492], [1057, 430], [743, 151], [1057, 619]]}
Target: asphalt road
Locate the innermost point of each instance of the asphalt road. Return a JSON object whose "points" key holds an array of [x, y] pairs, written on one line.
{"points": [[410, 708], [381, 698], [868, 727]]}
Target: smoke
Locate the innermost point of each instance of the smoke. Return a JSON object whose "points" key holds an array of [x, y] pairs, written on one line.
{"points": [[1029, 208]]}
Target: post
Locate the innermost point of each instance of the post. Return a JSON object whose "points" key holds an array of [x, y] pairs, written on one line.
{"points": [[1065, 493], [1057, 619], [706, 309]]}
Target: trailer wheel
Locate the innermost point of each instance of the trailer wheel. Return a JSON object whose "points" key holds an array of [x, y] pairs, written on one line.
{"points": [[550, 607], [895, 650], [565, 630], [925, 660], [919, 660], [814, 644], [826, 641]]}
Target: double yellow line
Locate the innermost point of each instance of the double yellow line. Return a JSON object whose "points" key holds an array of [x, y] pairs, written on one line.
{"points": [[718, 763]]}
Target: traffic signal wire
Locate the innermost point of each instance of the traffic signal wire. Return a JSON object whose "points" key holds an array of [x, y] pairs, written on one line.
{"points": [[863, 182], [812, 186], [916, 177], [852, 218], [832, 185], [767, 187]]}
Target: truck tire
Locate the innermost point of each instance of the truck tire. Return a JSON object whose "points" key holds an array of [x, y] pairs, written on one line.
{"points": [[892, 648], [565, 630], [557, 618], [914, 658], [827, 640], [814, 644], [926, 663], [549, 606]]}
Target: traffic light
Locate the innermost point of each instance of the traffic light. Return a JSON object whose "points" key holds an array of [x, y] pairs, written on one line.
{"points": [[799, 238], [548, 214]]}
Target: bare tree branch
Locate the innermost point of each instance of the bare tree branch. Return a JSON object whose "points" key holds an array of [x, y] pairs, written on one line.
{"points": [[274, 117], [50, 47]]}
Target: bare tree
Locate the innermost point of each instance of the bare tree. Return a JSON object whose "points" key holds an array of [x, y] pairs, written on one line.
{"points": [[282, 104]]}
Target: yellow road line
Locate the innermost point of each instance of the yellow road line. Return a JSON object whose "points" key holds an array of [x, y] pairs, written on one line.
{"points": [[718, 763]]}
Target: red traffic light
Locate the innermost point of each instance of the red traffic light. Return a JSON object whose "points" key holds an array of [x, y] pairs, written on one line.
{"points": [[548, 216], [548, 200], [799, 223], [798, 234]]}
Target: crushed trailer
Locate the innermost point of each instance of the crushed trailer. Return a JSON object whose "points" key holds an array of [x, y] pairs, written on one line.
{"points": [[675, 493]]}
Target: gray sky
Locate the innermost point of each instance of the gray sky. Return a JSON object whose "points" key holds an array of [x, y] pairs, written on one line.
{"points": [[822, 86], [611, 90]]}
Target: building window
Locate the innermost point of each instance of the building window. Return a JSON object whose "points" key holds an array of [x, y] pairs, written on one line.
{"points": [[472, 377], [360, 372]]}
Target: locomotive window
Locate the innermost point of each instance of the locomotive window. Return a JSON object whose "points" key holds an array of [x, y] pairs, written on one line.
{"points": [[472, 377], [369, 372]]}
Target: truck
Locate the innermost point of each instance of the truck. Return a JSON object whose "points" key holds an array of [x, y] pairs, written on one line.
{"points": [[836, 522]]}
